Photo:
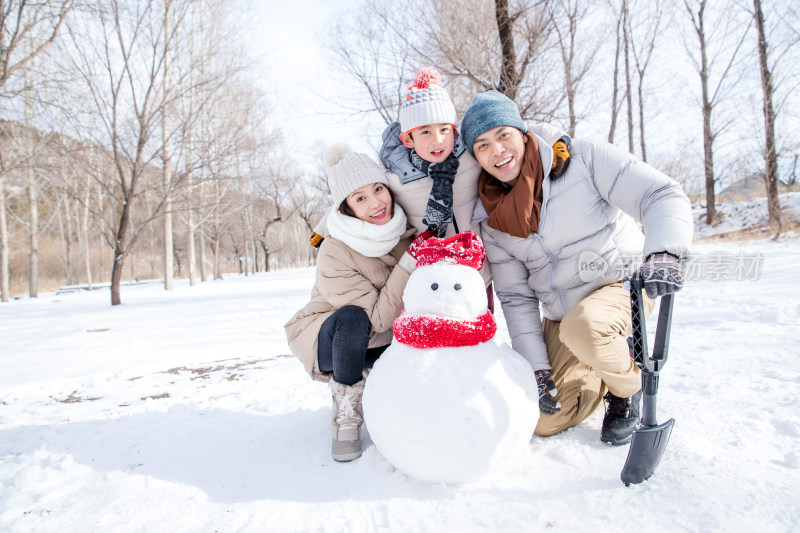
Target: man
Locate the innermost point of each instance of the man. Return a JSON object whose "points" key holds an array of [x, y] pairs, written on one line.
{"points": [[560, 231]]}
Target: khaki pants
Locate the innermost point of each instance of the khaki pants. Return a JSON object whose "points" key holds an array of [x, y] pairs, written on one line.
{"points": [[589, 355]]}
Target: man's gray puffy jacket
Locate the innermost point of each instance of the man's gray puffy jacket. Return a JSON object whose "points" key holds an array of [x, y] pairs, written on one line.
{"points": [[587, 237]]}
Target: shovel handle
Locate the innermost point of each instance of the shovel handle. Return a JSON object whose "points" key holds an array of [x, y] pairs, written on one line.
{"points": [[640, 351]]}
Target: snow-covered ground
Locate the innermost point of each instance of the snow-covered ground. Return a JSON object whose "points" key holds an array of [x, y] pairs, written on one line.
{"points": [[182, 411], [752, 213]]}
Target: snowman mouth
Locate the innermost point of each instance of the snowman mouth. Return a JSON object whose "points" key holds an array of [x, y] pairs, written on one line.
{"points": [[504, 163]]}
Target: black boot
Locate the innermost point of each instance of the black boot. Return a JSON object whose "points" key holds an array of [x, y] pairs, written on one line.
{"points": [[622, 417]]}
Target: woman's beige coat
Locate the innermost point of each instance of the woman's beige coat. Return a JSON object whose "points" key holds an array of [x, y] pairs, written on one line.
{"points": [[345, 277]]}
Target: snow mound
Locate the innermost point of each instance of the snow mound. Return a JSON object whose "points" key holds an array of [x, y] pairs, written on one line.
{"points": [[450, 415], [735, 216]]}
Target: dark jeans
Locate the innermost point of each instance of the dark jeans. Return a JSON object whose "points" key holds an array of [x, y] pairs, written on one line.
{"points": [[342, 348]]}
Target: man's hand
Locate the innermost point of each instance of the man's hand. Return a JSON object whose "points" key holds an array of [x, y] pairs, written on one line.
{"points": [[661, 273], [547, 392]]}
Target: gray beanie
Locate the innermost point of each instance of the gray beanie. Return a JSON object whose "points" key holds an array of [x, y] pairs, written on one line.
{"points": [[487, 111], [426, 102], [347, 171]]}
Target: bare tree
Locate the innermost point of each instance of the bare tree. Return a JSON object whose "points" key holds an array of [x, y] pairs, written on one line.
{"points": [[218, 108], [711, 96], [616, 102], [644, 31], [771, 154], [26, 30], [626, 43], [565, 17], [279, 179], [33, 252], [165, 152], [122, 73]]}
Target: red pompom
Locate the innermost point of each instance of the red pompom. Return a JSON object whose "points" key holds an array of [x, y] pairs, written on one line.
{"points": [[463, 248], [427, 77]]}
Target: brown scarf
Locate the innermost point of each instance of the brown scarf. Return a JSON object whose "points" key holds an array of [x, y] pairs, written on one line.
{"points": [[515, 210]]}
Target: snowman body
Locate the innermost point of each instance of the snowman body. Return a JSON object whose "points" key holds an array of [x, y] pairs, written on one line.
{"points": [[448, 401]]}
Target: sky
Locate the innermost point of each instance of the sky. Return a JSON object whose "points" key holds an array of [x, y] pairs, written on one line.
{"points": [[289, 33], [183, 411]]}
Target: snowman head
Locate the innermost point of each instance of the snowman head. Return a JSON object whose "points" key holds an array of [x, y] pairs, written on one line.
{"points": [[446, 281]]}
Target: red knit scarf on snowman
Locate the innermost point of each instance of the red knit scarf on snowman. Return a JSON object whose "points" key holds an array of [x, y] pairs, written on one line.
{"points": [[431, 331]]}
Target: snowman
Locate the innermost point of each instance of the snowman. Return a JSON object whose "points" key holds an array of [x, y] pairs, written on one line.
{"points": [[448, 401]]}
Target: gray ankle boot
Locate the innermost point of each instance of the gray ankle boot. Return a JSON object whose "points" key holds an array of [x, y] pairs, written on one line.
{"points": [[347, 416]]}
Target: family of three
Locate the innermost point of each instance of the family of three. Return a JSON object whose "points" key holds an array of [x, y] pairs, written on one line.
{"points": [[539, 200]]}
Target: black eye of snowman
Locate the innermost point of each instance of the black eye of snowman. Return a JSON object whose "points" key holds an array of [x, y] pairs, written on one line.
{"points": [[457, 286], [434, 286]]}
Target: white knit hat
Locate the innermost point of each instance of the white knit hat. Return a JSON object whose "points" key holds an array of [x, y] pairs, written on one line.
{"points": [[426, 102], [347, 171]]}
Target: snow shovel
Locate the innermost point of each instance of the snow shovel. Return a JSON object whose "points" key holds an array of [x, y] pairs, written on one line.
{"points": [[650, 439]]}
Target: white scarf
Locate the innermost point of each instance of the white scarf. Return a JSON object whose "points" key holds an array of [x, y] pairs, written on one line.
{"points": [[370, 240]]}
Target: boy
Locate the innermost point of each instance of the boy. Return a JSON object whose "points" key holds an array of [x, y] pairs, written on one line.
{"points": [[425, 154]]}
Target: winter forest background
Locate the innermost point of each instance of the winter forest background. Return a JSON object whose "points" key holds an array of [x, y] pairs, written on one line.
{"points": [[155, 139]]}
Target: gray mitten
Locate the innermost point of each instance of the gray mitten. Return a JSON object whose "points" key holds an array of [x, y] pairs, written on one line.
{"points": [[661, 273], [547, 392]]}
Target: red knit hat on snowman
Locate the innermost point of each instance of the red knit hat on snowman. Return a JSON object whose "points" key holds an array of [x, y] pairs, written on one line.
{"points": [[434, 331]]}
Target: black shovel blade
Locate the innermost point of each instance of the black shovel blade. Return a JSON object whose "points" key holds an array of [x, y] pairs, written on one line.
{"points": [[647, 447]]}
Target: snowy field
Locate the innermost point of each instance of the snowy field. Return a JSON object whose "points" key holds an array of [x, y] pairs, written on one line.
{"points": [[751, 213], [183, 411]]}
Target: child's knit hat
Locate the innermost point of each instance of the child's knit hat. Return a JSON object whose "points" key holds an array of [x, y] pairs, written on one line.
{"points": [[426, 102], [347, 171], [487, 111]]}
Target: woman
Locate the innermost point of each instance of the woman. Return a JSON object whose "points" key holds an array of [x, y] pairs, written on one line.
{"points": [[362, 268]]}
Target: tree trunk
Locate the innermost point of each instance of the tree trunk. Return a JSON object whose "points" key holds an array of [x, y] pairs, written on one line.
{"points": [[4, 250], [120, 246], [33, 250], [33, 256], [509, 81], [770, 153], [203, 271], [169, 266], [614, 108], [708, 152], [215, 246], [570, 89], [192, 252], [102, 236], [708, 136], [167, 170], [71, 280], [87, 256], [641, 119], [189, 153], [628, 92]]}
